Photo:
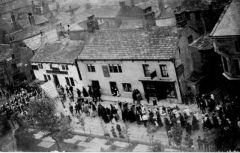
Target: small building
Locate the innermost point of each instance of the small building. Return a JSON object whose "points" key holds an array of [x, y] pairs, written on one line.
{"points": [[226, 35], [131, 59], [56, 62], [14, 64]]}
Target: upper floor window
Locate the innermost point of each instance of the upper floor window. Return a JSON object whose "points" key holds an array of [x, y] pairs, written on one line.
{"points": [[225, 64], [115, 68], [164, 71], [40, 66], [146, 70], [236, 66], [64, 67], [91, 68], [190, 39], [127, 87], [237, 45]]}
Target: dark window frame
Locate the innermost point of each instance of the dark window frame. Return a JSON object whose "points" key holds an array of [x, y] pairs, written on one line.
{"points": [[49, 77], [67, 81], [146, 70], [40, 66], [190, 39], [129, 87], [115, 68], [72, 81], [164, 70], [91, 68]]}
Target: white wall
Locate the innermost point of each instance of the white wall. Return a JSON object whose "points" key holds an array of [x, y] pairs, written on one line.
{"points": [[132, 72], [72, 72]]}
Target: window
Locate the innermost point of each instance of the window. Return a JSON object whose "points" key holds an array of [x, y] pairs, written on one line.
{"points": [[146, 70], [14, 66], [190, 39], [67, 81], [237, 44], [225, 64], [115, 68], [40, 66], [34, 67], [164, 71], [127, 87], [236, 66], [49, 77], [72, 81], [91, 68], [64, 67], [45, 78]]}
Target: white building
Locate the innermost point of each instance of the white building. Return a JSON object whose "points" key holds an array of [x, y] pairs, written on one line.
{"points": [[132, 59], [56, 62]]}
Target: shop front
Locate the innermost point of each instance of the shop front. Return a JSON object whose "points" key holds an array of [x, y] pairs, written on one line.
{"points": [[160, 89]]}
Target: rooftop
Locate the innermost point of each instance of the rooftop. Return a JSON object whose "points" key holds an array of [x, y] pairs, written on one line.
{"points": [[131, 12], [202, 43], [130, 44], [64, 51], [195, 5], [229, 21], [5, 52]]}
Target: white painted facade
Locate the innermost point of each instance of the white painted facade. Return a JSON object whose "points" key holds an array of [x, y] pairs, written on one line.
{"points": [[71, 73], [132, 72]]}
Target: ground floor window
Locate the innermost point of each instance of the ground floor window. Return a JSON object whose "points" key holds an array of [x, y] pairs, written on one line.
{"points": [[127, 87], [70, 81], [161, 90]]}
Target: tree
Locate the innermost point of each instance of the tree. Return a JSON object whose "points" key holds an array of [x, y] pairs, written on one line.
{"points": [[43, 116]]}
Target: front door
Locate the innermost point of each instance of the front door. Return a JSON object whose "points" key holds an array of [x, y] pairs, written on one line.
{"points": [[56, 81], [95, 84], [113, 85]]}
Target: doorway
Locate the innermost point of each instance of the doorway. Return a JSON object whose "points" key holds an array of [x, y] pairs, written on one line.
{"points": [[56, 81], [95, 84], [113, 86]]}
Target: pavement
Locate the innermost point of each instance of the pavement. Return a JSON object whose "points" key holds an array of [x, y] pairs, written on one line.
{"points": [[133, 132]]}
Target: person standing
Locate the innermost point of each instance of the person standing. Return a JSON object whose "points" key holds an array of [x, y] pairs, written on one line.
{"points": [[78, 93], [200, 143], [67, 90], [71, 109], [147, 97]]}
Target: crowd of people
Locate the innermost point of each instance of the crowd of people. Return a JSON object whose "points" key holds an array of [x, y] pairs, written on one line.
{"points": [[19, 98]]}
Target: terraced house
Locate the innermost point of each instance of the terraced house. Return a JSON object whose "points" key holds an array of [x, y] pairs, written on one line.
{"points": [[132, 59], [56, 62]]}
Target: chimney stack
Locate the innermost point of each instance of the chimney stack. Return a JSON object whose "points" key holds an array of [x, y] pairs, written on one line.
{"points": [[149, 17], [132, 3], [60, 31], [122, 4], [92, 24], [43, 38]]}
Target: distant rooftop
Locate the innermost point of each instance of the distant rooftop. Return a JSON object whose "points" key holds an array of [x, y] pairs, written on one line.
{"points": [[5, 52], [130, 44], [64, 51], [203, 43], [229, 21]]}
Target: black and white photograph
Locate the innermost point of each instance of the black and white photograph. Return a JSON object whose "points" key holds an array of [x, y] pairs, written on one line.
{"points": [[119, 75]]}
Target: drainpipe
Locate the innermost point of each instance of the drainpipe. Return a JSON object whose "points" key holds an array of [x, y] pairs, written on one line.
{"points": [[173, 61]]}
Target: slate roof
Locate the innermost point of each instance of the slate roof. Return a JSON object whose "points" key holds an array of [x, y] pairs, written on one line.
{"points": [[130, 44], [202, 43], [195, 5], [64, 51], [5, 52], [229, 21], [131, 12]]}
